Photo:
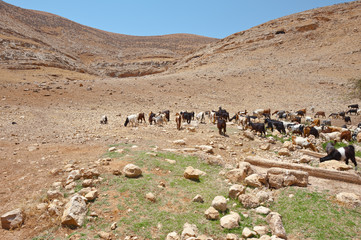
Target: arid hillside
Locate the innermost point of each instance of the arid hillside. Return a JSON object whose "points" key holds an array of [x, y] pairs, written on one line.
{"points": [[31, 38]]}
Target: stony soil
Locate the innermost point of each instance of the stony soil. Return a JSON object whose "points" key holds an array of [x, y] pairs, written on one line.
{"points": [[50, 116]]}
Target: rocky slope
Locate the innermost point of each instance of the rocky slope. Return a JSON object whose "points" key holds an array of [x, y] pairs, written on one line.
{"points": [[29, 39]]}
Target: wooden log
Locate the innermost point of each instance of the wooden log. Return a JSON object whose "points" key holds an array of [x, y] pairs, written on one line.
{"points": [[312, 171]]}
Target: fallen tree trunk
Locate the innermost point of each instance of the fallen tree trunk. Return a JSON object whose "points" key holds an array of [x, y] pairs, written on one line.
{"points": [[312, 171]]}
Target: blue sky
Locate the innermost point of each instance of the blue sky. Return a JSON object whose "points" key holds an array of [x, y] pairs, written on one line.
{"points": [[211, 18]]}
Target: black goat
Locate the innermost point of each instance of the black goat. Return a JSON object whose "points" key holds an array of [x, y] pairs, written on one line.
{"points": [[222, 126], [348, 119], [258, 127], [343, 153], [353, 106], [187, 116], [352, 111], [274, 123]]}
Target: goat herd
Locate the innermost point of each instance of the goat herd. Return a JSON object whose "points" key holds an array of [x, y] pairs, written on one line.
{"points": [[300, 127]]}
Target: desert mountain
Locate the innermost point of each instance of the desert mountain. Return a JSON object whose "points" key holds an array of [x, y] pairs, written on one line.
{"points": [[29, 39]]}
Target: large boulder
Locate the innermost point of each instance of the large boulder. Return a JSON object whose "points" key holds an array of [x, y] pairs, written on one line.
{"points": [[12, 219], [278, 177], [132, 171], [238, 174], [75, 212], [274, 221]]}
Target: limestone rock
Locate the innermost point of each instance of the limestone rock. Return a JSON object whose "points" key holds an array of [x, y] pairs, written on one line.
{"points": [[265, 146], [247, 233], [336, 165], [87, 183], [180, 142], [236, 190], [132, 171], [206, 148], [230, 221], [275, 223], [54, 195], [261, 230], [249, 135], [150, 196], [90, 173], [211, 214], [263, 210], [220, 203], [231, 236], [189, 230], [264, 196], [255, 180], [249, 200], [104, 235], [192, 173], [198, 198], [55, 208], [284, 152], [90, 196], [349, 198], [12, 219], [288, 145], [75, 211], [278, 177], [172, 236]]}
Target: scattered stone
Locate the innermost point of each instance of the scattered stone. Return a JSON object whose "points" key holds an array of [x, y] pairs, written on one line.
{"points": [[349, 198], [74, 175], [263, 210], [249, 200], [288, 145], [12, 219], [42, 206], [230, 221], [112, 149], [150, 196], [274, 220], [51, 195], [152, 154], [206, 148], [114, 226], [92, 195], [236, 190], [192, 173], [198, 198], [189, 230], [55, 208], [249, 135], [90, 173], [305, 159], [231, 236], [336, 165], [171, 161], [284, 152], [104, 235], [247, 233], [117, 172], [261, 230], [278, 178], [211, 214], [132, 171], [264, 196], [180, 142], [75, 212], [255, 180], [236, 175], [220, 203], [173, 236], [265, 147], [87, 183]]}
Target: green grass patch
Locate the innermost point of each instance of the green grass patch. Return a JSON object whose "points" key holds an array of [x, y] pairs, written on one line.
{"points": [[313, 215], [280, 139]]}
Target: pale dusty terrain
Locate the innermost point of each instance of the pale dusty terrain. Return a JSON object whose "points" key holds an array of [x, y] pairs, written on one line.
{"points": [[57, 111]]}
